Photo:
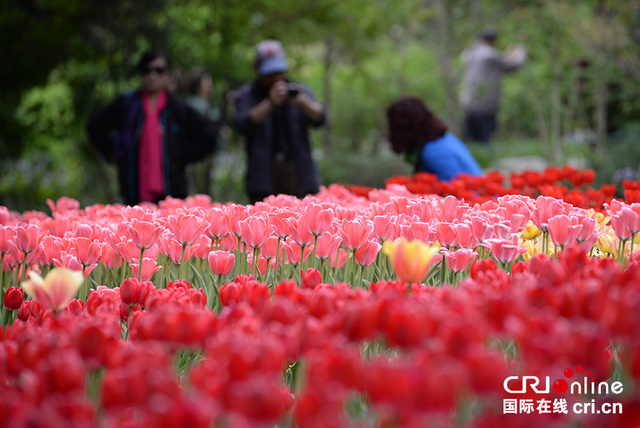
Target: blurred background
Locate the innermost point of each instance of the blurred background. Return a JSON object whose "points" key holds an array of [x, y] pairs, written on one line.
{"points": [[576, 101]]}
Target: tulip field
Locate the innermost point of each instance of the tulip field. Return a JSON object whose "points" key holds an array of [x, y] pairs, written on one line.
{"points": [[424, 304]]}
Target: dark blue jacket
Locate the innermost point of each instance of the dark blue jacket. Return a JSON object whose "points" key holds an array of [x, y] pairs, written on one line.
{"points": [[188, 137], [259, 140]]}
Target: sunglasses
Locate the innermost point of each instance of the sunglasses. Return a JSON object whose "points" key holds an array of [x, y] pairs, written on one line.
{"points": [[158, 70]]}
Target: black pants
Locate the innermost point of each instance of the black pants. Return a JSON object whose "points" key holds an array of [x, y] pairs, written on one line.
{"points": [[285, 181], [479, 127]]}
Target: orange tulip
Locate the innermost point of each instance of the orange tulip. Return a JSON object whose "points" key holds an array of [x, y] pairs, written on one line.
{"points": [[410, 260], [56, 289]]}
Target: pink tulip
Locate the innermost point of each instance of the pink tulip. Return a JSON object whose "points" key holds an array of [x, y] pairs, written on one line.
{"points": [[170, 247], [421, 231], [221, 262], [88, 252], [561, 231], [293, 252], [55, 290], [187, 228], [452, 209], [127, 249], [504, 250], [546, 207], [69, 261], [255, 230], [327, 245], [7, 234], [384, 227], [144, 234], [318, 219], [300, 231], [139, 213], [282, 228], [630, 219], [619, 228], [218, 225], [110, 258], [458, 261], [356, 232], [149, 267], [27, 237], [50, 250], [446, 234], [268, 250], [366, 255], [465, 236], [235, 214], [480, 226]]}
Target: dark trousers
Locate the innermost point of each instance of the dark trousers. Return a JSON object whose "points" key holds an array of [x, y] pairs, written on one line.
{"points": [[285, 181], [479, 127]]}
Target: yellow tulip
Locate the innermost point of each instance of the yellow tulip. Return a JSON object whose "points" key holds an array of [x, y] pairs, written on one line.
{"points": [[411, 260], [56, 289], [607, 242], [530, 232]]}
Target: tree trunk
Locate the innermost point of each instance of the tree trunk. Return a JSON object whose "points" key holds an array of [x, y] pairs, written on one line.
{"points": [[445, 59], [600, 113], [326, 91]]}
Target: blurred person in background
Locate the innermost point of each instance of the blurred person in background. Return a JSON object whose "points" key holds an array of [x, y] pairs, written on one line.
{"points": [[483, 68], [424, 139], [275, 114], [151, 135]]}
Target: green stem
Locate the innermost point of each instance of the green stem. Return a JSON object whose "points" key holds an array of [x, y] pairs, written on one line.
{"points": [[633, 235], [443, 271], [353, 272], [275, 268], [183, 264], [254, 263], [621, 245], [315, 243], [140, 265]]}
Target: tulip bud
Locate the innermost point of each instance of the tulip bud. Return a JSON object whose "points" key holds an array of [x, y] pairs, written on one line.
{"points": [[310, 278], [13, 298], [131, 292]]}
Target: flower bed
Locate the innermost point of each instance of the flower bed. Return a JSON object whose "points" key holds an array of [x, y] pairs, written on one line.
{"points": [[393, 309]]}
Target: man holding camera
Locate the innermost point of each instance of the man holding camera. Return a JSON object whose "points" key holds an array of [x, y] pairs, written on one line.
{"points": [[275, 114]]}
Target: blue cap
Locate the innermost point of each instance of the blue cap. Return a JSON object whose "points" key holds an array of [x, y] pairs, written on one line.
{"points": [[271, 57]]}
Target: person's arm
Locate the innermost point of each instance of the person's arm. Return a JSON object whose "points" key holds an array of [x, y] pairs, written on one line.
{"points": [[513, 58], [312, 109]]}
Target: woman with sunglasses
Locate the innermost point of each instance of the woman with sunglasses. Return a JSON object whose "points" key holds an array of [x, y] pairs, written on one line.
{"points": [[151, 135]]}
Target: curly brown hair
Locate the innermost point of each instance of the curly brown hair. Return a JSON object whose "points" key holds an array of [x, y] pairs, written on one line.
{"points": [[412, 125]]}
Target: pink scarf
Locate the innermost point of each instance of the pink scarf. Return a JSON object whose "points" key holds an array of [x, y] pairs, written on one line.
{"points": [[150, 172]]}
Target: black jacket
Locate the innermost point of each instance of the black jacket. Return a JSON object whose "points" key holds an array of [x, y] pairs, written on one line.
{"points": [[259, 139], [188, 137]]}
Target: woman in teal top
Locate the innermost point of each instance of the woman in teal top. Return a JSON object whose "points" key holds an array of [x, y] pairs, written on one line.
{"points": [[415, 130]]}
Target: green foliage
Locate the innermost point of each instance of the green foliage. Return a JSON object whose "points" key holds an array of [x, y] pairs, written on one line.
{"points": [[620, 158], [356, 55]]}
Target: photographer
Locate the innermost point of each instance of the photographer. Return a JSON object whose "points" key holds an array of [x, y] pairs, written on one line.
{"points": [[275, 114]]}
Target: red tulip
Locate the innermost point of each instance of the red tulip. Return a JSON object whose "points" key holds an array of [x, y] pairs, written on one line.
{"points": [[13, 298], [131, 292]]}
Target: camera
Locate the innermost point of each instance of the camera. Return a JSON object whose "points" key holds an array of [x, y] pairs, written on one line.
{"points": [[292, 89]]}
